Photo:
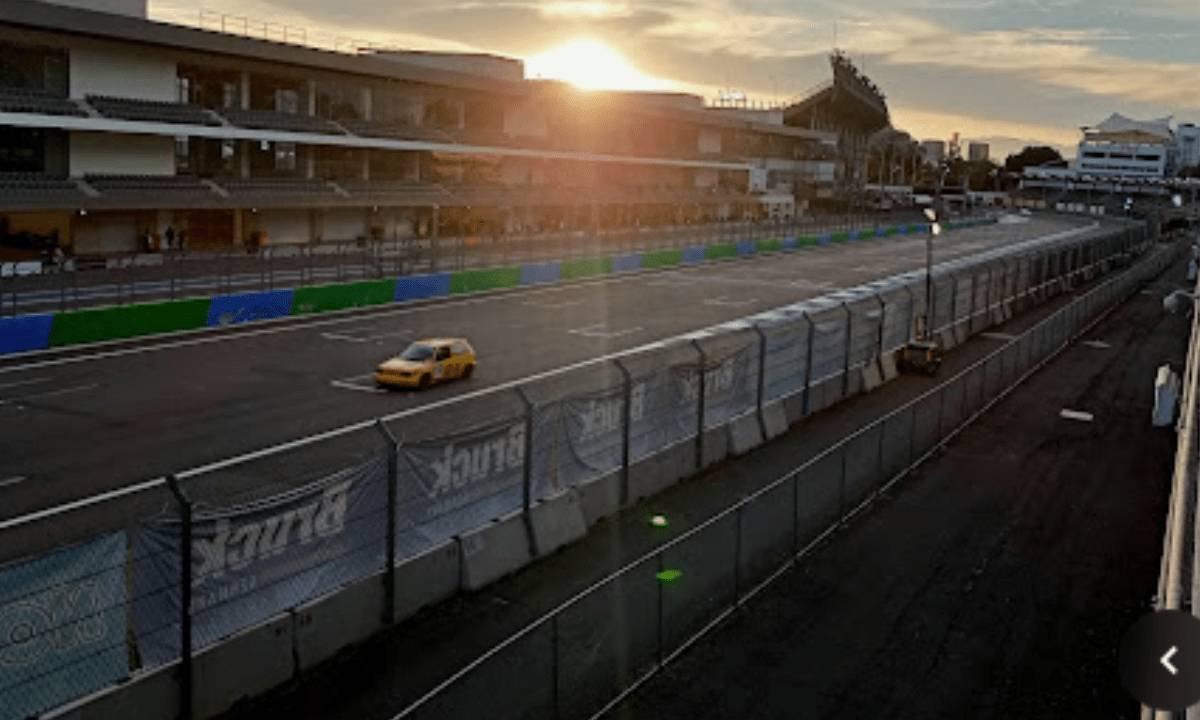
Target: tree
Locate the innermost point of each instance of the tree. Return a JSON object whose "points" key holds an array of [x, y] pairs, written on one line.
{"points": [[1032, 156]]}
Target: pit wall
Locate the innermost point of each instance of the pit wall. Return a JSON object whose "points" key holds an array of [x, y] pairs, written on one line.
{"points": [[27, 333]]}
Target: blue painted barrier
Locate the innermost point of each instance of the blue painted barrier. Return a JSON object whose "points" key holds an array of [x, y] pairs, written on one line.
{"points": [[789, 243], [747, 248], [854, 235], [541, 273], [693, 255], [880, 232], [902, 230], [625, 263], [248, 307], [422, 286], [28, 332], [825, 239]]}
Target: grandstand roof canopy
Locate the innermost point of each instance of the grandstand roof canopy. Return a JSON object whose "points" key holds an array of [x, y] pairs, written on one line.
{"points": [[1119, 125]]}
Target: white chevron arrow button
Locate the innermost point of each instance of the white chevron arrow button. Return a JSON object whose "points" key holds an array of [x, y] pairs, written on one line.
{"points": [[1166, 660]]}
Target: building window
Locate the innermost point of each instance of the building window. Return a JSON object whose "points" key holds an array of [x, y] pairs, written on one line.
{"points": [[231, 97], [287, 101], [183, 89], [183, 154], [228, 151], [285, 156]]}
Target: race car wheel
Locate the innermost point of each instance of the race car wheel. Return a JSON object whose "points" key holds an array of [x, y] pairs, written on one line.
{"points": [[467, 372], [425, 382]]}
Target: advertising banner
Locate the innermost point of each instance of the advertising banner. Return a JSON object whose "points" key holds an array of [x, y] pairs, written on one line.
{"points": [[62, 626], [729, 386], [253, 562], [787, 360], [828, 347], [457, 483]]}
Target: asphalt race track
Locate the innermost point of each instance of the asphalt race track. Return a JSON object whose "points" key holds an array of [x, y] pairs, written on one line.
{"points": [[86, 421]]}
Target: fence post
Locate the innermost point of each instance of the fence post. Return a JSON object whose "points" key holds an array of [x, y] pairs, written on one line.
{"points": [[808, 364], [527, 483], [627, 426], [762, 372], [954, 302], [703, 368], [389, 573], [186, 688], [882, 320], [846, 359]]}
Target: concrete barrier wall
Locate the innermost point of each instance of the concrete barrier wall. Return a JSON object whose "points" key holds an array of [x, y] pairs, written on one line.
{"points": [[84, 326], [492, 551], [247, 664], [557, 521], [600, 497], [748, 247], [471, 281], [575, 269], [427, 578], [323, 627], [693, 255], [324, 298], [149, 695], [655, 473]]}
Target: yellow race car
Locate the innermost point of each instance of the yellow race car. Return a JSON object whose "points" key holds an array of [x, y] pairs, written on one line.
{"points": [[426, 362]]}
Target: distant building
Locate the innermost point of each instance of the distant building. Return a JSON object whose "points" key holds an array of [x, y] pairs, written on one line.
{"points": [[1121, 147], [977, 152], [1187, 137], [933, 151]]}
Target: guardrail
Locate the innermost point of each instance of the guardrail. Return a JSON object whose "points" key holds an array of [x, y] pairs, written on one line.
{"points": [[549, 457], [1180, 566], [584, 657]]}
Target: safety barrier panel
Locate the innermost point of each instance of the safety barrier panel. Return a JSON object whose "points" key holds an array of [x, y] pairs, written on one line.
{"points": [[748, 247], [541, 273], [662, 258], [27, 332], [576, 269], [248, 307], [692, 255], [324, 298], [84, 326], [420, 287], [574, 445], [471, 281], [716, 252], [626, 263]]}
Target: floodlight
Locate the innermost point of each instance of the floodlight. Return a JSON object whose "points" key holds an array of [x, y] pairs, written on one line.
{"points": [[936, 229], [931, 214]]}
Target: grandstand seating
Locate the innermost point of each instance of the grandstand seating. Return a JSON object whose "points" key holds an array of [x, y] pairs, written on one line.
{"points": [[397, 132], [17, 100], [151, 186], [37, 186], [267, 120], [151, 111], [268, 187]]}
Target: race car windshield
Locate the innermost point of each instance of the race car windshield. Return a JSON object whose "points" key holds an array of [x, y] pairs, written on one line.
{"points": [[417, 353]]}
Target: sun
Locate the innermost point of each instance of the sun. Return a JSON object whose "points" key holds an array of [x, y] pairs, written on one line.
{"points": [[591, 65]]}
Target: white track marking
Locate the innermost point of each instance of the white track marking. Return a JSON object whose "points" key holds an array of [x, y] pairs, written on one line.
{"points": [[335, 336], [998, 336], [726, 302], [601, 330], [24, 382], [1098, 344], [1076, 415], [52, 393], [360, 388], [12, 481]]}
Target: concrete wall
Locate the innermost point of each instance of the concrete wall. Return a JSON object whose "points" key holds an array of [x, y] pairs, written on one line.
{"points": [[710, 140], [524, 119], [140, 74], [344, 224], [284, 227], [706, 177], [103, 233], [121, 154]]}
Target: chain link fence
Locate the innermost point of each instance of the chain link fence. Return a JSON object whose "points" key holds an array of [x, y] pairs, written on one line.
{"points": [[218, 549]]}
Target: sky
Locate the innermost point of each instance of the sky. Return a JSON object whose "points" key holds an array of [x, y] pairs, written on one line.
{"points": [[1012, 72]]}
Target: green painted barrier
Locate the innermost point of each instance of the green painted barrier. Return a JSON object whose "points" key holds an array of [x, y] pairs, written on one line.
{"points": [[662, 258], [575, 269], [84, 326], [807, 241], [771, 244], [891, 231], [839, 237], [469, 281], [715, 252], [323, 298]]}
